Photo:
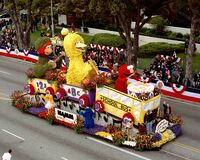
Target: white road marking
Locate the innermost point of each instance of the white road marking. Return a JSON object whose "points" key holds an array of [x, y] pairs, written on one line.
{"points": [[5, 72], [64, 158], [13, 134], [122, 150], [4, 98], [3, 94]]}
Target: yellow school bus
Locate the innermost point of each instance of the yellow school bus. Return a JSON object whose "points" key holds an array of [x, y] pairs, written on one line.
{"points": [[119, 104]]}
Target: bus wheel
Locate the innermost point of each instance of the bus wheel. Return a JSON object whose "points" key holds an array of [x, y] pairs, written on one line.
{"points": [[84, 100], [30, 89], [99, 106], [128, 117], [50, 90]]}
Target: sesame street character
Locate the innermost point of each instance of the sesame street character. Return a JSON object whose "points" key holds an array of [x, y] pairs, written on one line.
{"points": [[88, 117], [49, 101], [78, 69], [127, 124], [123, 73], [43, 46]]}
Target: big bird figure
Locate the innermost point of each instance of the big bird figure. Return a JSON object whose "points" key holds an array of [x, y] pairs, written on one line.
{"points": [[78, 69]]}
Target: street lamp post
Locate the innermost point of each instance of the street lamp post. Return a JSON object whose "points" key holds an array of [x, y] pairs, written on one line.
{"points": [[52, 24]]}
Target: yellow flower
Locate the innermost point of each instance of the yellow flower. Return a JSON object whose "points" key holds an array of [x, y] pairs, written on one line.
{"points": [[103, 134]]}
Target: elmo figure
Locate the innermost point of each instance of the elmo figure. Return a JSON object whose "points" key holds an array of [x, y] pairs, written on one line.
{"points": [[122, 81]]}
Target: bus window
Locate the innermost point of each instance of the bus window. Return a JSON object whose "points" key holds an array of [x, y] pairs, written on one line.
{"points": [[136, 105], [126, 100], [147, 106], [114, 95], [103, 91]]}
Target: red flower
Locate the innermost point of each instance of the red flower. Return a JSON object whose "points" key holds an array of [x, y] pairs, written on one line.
{"points": [[42, 115]]}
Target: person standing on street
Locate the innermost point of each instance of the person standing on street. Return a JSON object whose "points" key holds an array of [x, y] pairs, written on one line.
{"points": [[7, 155], [186, 45]]}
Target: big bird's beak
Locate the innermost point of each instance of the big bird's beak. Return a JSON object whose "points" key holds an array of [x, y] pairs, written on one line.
{"points": [[80, 45]]}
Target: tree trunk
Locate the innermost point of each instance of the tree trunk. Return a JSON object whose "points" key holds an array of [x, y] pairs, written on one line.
{"points": [[129, 50], [188, 69], [125, 32], [22, 27], [135, 45]]}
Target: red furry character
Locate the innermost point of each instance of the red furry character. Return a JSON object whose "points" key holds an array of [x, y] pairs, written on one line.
{"points": [[122, 81]]}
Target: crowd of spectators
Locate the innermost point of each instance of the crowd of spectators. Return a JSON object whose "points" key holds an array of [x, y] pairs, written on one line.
{"points": [[196, 82], [166, 68], [105, 57], [8, 37]]}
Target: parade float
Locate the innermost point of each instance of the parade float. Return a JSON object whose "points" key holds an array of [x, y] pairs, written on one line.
{"points": [[90, 101]]}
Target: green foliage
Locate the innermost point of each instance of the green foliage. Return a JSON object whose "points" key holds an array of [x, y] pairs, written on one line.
{"points": [[195, 61], [165, 34], [159, 24], [87, 38], [78, 128], [197, 39], [108, 40], [175, 35], [160, 48], [148, 31], [119, 137], [143, 142], [144, 62]]}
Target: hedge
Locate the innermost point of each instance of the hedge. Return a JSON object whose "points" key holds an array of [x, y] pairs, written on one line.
{"points": [[88, 39], [105, 39], [151, 49]]}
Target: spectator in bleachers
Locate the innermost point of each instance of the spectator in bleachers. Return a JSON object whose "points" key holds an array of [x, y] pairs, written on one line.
{"points": [[196, 82]]}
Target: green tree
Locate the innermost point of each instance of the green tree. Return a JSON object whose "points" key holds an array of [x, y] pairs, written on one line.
{"points": [[22, 24], [124, 13], [190, 10], [159, 24], [77, 8], [194, 13]]}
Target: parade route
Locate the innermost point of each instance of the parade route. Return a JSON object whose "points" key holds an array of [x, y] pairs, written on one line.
{"points": [[33, 138]]}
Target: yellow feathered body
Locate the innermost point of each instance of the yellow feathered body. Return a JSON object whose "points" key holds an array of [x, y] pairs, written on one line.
{"points": [[78, 69]]}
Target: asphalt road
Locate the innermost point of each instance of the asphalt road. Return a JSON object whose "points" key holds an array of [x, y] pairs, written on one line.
{"points": [[32, 138]]}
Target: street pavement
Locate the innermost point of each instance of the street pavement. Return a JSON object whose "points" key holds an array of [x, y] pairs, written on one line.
{"points": [[32, 138]]}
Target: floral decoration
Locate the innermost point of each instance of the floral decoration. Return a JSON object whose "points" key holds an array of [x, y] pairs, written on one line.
{"points": [[176, 119], [19, 100], [62, 76], [98, 80], [29, 73], [79, 126], [94, 130], [51, 75], [119, 137], [50, 116], [176, 129], [166, 136], [156, 137], [143, 142]]}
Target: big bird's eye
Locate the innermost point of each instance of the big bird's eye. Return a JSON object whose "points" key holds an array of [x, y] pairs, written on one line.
{"points": [[77, 42]]}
